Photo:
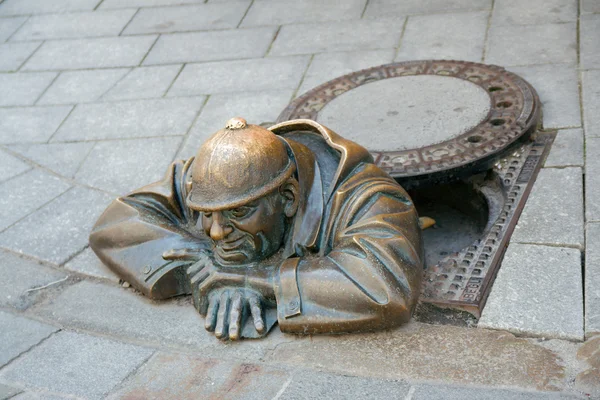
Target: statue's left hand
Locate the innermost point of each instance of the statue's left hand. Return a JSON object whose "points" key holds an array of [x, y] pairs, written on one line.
{"points": [[225, 315]]}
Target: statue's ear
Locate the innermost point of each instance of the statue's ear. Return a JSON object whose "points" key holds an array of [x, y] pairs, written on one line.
{"points": [[290, 191]]}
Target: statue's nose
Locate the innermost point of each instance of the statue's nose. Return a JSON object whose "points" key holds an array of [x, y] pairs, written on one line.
{"points": [[219, 228]]}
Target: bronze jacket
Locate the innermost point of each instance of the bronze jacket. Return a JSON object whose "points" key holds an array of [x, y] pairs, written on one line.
{"points": [[353, 260]]}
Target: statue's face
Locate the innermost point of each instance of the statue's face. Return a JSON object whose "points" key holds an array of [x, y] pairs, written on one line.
{"points": [[248, 233]]}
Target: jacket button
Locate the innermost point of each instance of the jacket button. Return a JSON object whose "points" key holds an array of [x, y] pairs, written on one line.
{"points": [[294, 304], [147, 269]]}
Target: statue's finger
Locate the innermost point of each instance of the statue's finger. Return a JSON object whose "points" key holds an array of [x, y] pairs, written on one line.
{"points": [[211, 314], [222, 320], [235, 316], [256, 311], [181, 255]]}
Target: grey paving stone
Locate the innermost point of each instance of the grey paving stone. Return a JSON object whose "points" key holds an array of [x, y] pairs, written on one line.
{"points": [[553, 214], [23, 89], [266, 12], [19, 334], [567, 150], [538, 292], [187, 18], [121, 166], [144, 3], [129, 119], [7, 392], [532, 44], [591, 102], [532, 12], [43, 395], [255, 107], [73, 87], [592, 179], [88, 264], [90, 53], [439, 392], [26, 193], [58, 230], [62, 158], [387, 8], [144, 82], [123, 313], [74, 25], [21, 275], [590, 6], [208, 46], [558, 88], [327, 66], [9, 26], [22, 7], [181, 376], [240, 76], [30, 124], [337, 36], [592, 280], [77, 364], [457, 36], [13, 55], [11, 166], [589, 47]]}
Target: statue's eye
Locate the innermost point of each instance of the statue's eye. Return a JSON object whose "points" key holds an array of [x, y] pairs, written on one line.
{"points": [[240, 212]]}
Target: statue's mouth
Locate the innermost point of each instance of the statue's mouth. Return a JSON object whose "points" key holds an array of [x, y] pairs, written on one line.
{"points": [[232, 244]]}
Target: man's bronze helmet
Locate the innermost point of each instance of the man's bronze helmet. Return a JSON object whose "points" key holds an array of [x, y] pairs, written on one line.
{"points": [[237, 165]]}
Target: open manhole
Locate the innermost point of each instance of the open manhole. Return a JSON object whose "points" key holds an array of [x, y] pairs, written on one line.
{"points": [[461, 138]]}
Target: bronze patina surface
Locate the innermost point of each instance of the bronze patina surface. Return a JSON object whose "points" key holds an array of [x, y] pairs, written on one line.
{"points": [[293, 224], [513, 116]]}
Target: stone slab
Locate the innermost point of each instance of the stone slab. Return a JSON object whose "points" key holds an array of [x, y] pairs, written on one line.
{"points": [[267, 12], [558, 88], [409, 111], [106, 4], [387, 8], [438, 392], [74, 25], [592, 280], [90, 53], [591, 102], [10, 26], [87, 263], [41, 395], [532, 44], [592, 179], [58, 230], [255, 107], [23, 89], [337, 36], [567, 149], [533, 12], [327, 66], [10, 166], [210, 46], [77, 364], [8, 392], [459, 36], [13, 55], [73, 87], [421, 352], [187, 18], [30, 124], [130, 119], [26, 193], [240, 76], [18, 334], [62, 158], [179, 376], [145, 82], [590, 6], [589, 47], [553, 214], [120, 166], [24, 7], [538, 292], [22, 278]]}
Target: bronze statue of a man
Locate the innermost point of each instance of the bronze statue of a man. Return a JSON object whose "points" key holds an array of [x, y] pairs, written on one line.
{"points": [[291, 224]]}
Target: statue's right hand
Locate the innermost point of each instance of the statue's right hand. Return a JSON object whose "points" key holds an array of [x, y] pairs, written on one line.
{"points": [[226, 309]]}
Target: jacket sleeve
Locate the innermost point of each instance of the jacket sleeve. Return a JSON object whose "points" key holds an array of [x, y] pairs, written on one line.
{"points": [[135, 230], [369, 276]]}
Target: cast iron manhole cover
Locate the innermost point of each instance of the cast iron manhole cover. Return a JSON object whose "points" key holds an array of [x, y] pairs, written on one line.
{"points": [[426, 121]]}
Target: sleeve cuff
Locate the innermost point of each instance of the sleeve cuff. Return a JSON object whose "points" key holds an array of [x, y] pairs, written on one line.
{"points": [[288, 296]]}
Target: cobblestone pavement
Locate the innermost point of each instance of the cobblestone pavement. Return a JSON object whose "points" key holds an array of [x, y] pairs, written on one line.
{"points": [[99, 96]]}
